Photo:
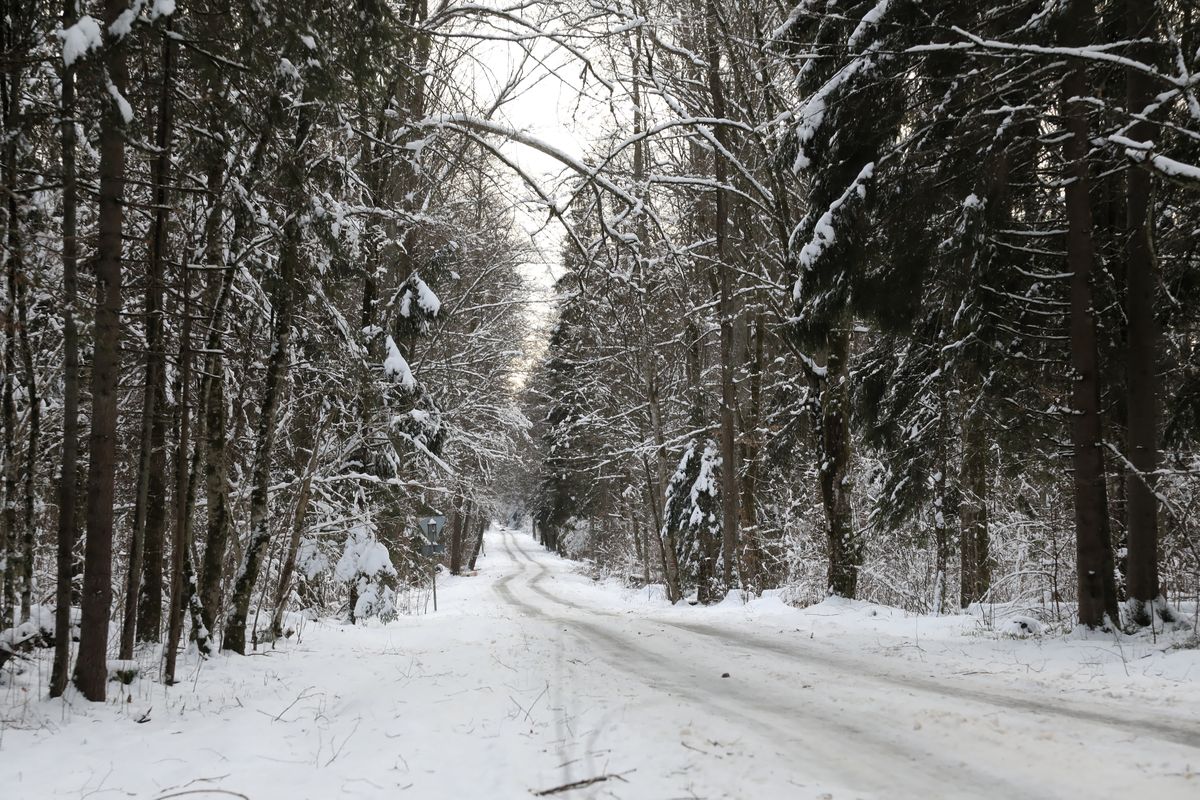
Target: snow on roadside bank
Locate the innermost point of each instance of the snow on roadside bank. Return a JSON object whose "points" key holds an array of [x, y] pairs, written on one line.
{"points": [[1159, 668], [427, 706]]}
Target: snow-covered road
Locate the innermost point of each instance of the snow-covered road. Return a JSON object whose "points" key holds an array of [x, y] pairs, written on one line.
{"points": [[531, 678], [795, 718]]}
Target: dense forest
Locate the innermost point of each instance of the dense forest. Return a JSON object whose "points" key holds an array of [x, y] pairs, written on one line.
{"points": [[257, 318], [879, 299], [887, 300]]}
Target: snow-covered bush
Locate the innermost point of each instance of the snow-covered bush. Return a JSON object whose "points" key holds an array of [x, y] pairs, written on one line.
{"points": [[367, 566]]}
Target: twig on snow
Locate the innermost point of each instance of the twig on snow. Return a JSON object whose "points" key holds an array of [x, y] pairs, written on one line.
{"points": [[566, 787]]}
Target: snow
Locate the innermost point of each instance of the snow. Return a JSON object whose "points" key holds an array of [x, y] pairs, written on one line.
{"points": [[396, 368], [804, 7], [122, 104], [127, 665], [14, 637], [162, 8], [1142, 152], [80, 38], [426, 300], [288, 70], [531, 675], [811, 115], [824, 232], [1175, 169], [367, 563], [706, 482], [310, 559], [364, 555], [869, 20], [123, 24]]}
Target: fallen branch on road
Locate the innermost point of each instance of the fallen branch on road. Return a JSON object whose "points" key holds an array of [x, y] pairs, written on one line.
{"points": [[566, 787]]}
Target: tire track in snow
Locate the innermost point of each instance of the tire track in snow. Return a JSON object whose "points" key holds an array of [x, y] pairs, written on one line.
{"points": [[1175, 731], [557, 702], [914, 772]]}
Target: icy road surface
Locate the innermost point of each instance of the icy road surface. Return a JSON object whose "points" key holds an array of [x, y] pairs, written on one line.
{"points": [[531, 678]]}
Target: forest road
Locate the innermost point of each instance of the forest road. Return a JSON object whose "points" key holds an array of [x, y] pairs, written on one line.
{"points": [[768, 714]]}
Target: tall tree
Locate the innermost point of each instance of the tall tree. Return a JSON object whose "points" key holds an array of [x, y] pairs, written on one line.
{"points": [[91, 674], [69, 466], [1094, 559], [1144, 345], [143, 595]]}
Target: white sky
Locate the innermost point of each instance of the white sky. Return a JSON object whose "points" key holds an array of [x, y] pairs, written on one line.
{"points": [[548, 106]]}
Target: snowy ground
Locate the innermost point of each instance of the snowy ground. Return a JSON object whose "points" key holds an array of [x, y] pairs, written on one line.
{"points": [[531, 677]]}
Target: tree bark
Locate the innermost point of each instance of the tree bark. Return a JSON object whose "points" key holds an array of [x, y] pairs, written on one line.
{"points": [[91, 666], [10, 83], [941, 530], [666, 537], [276, 368], [729, 465], [260, 524], [1094, 559], [751, 551], [69, 468], [845, 549], [283, 306], [288, 569], [1142, 382], [185, 592], [216, 482], [145, 538], [458, 523], [29, 491], [150, 600], [477, 544], [181, 539], [975, 579]]}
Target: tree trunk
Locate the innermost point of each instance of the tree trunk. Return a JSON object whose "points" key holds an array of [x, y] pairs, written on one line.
{"points": [[91, 666], [9, 89], [153, 393], [975, 578], [288, 569], [181, 539], [29, 492], [1142, 383], [149, 624], [1097, 585], [460, 518], [726, 306], [68, 475], [19, 559], [639, 538], [277, 367], [150, 600], [941, 530], [216, 482], [185, 593], [477, 544], [666, 538], [845, 549], [751, 552], [260, 524], [282, 298]]}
